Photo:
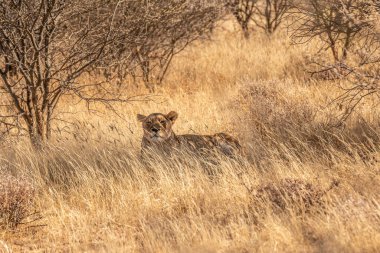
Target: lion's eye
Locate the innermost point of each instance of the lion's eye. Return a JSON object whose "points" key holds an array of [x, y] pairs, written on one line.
{"points": [[163, 122]]}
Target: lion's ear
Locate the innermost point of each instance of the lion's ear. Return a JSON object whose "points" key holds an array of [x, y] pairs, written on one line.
{"points": [[141, 117], [172, 116]]}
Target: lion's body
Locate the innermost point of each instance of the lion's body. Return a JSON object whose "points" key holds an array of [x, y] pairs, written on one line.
{"points": [[199, 144], [160, 138]]}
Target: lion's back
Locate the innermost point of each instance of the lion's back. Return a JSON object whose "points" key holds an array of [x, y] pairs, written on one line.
{"points": [[228, 144], [222, 142]]}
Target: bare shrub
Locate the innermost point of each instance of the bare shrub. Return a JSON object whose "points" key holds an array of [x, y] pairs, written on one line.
{"points": [[332, 22], [45, 47], [271, 14], [357, 85], [360, 77], [16, 202], [350, 31], [151, 33], [243, 11]]}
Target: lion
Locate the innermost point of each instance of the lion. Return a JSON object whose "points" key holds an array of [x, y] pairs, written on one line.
{"points": [[159, 137]]}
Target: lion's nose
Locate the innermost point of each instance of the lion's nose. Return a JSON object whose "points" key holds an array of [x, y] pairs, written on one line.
{"points": [[155, 129]]}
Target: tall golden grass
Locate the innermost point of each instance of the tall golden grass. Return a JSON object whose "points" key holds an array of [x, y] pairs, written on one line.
{"points": [[93, 193]]}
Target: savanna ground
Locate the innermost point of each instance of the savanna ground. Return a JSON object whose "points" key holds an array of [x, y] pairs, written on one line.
{"points": [[92, 193]]}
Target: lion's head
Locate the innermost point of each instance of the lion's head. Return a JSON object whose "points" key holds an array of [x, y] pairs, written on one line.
{"points": [[157, 126]]}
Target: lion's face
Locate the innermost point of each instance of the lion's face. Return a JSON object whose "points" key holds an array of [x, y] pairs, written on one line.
{"points": [[157, 126]]}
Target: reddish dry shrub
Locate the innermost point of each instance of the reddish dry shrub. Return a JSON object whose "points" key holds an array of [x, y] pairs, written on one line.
{"points": [[16, 201]]}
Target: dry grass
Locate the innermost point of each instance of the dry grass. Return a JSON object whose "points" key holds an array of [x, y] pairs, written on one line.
{"points": [[96, 196]]}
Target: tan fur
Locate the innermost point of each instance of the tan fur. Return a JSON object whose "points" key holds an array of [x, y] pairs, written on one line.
{"points": [[159, 136]]}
